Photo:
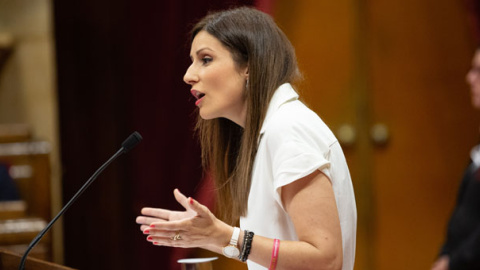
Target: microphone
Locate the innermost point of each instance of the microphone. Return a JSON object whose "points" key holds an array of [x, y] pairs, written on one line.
{"points": [[127, 145]]}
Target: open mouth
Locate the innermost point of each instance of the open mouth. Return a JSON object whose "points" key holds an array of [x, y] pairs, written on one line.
{"points": [[198, 95]]}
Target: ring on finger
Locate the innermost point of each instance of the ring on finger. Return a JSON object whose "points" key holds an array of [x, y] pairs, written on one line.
{"points": [[176, 236]]}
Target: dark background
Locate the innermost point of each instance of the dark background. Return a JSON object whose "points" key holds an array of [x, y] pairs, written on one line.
{"points": [[120, 69]]}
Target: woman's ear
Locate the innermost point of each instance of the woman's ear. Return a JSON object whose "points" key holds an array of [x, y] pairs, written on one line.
{"points": [[245, 72]]}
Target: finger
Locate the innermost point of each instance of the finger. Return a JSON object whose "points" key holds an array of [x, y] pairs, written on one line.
{"points": [[140, 220], [156, 241], [164, 234], [146, 229], [199, 208], [148, 220], [181, 199], [177, 225], [150, 239], [156, 212], [168, 241]]}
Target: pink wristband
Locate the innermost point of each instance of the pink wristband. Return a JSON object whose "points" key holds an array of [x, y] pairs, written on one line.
{"points": [[276, 247]]}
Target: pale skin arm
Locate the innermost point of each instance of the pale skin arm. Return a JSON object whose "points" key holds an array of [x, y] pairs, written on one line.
{"points": [[310, 202]]}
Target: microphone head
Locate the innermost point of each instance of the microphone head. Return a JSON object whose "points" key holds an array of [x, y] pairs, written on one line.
{"points": [[131, 141]]}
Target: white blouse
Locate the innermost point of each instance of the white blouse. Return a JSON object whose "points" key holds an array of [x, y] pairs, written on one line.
{"points": [[294, 143]]}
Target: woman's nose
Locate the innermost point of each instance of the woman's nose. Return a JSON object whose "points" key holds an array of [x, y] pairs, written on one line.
{"points": [[190, 77]]}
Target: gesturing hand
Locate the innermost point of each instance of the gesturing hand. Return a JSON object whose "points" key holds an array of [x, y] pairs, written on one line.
{"points": [[152, 215], [196, 226]]}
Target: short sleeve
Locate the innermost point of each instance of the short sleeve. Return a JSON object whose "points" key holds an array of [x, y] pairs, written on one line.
{"points": [[296, 150]]}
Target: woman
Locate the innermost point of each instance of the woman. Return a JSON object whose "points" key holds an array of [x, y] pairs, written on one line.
{"points": [[278, 169]]}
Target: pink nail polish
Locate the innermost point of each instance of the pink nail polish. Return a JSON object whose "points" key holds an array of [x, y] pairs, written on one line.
{"points": [[149, 238], [152, 226], [191, 200], [146, 232], [155, 243]]}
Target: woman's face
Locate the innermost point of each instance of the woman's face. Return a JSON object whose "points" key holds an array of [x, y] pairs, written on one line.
{"points": [[218, 84], [473, 79]]}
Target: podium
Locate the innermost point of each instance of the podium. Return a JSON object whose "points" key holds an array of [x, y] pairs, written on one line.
{"points": [[11, 261]]}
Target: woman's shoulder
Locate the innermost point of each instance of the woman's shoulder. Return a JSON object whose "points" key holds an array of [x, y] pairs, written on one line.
{"points": [[295, 114], [297, 119]]}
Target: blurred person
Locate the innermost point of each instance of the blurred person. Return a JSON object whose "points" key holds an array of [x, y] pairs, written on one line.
{"points": [[461, 249], [8, 188]]}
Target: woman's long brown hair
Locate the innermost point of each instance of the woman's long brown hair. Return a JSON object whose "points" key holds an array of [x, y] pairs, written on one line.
{"points": [[228, 150]]}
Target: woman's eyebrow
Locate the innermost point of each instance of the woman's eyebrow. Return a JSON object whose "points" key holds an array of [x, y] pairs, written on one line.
{"points": [[200, 50]]}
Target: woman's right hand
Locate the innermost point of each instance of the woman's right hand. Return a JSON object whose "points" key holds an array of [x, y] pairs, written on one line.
{"points": [[152, 215], [197, 226]]}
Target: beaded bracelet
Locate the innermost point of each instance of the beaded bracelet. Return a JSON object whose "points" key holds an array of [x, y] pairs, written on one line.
{"points": [[242, 250], [247, 245]]}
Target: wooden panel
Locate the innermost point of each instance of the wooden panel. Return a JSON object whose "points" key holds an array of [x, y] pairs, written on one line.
{"points": [[21, 221], [401, 64], [420, 52], [11, 261], [329, 46], [30, 163]]}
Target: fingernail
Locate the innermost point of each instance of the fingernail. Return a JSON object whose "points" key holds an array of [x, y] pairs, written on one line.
{"points": [[191, 200], [155, 243], [146, 232], [152, 226], [149, 238]]}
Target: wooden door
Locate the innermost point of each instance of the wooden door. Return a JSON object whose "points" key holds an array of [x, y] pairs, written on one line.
{"points": [[419, 55], [396, 69]]}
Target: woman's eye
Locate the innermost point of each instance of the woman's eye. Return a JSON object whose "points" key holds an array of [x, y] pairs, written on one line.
{"points": [[206, 60]]}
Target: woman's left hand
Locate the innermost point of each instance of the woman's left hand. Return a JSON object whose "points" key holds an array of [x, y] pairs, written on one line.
{"points": [[194, 227]]}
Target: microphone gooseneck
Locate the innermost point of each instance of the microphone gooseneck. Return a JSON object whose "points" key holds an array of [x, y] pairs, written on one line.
{"points": [[127, 145], [131, 141]]}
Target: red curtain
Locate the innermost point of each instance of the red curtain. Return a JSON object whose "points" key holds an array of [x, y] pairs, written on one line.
{"points": [[120, 68], [265, 6], [473, 7]]}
